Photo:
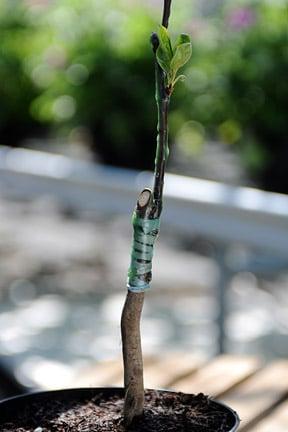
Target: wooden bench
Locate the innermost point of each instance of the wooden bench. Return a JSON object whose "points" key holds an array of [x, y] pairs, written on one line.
{"points": [[257, 391]]}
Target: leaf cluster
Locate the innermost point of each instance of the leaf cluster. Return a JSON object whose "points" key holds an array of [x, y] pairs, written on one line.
{"points": [[172, 57]]}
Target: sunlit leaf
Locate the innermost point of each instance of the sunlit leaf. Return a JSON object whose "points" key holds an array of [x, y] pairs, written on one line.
{"points": [[163, 60], [181, 56], [165, 41], [171, 59], [181, 39], [164, 52]]}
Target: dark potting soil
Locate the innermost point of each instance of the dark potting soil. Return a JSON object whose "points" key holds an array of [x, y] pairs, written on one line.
{"points": [[163, 412]]}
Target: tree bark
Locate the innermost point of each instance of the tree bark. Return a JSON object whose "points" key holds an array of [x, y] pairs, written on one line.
{"points": [[132, 356]]}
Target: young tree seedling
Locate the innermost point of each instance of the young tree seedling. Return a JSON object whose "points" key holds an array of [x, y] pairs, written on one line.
{"points": [[169, 58]]}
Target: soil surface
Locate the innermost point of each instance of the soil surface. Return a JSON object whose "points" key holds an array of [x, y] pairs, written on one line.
{"points": [[164, 412]]}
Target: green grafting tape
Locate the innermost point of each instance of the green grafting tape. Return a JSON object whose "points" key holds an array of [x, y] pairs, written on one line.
{"points": [[145, 234]]}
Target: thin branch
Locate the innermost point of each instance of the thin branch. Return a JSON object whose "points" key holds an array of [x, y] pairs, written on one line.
{"points": [[162, 100], [166, 13]]}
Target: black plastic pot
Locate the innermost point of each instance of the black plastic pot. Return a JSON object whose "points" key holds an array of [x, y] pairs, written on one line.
{"points": [[12, 407]]}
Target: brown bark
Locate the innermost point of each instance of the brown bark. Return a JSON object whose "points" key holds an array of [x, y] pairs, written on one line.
{"points": [[132, 356]]}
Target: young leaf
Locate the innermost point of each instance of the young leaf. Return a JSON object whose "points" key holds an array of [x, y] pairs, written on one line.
{"points": [[181, 39], [164, 52], [181, 56], [163, 59], [164, 39]]}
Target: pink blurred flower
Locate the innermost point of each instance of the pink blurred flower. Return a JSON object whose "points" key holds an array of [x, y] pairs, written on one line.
{"points": [[241, 18], [37, 3]]}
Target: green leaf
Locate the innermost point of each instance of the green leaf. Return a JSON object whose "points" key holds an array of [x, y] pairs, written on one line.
{"points": [[171, 59], [163, 60], [165, 41], [164, 52], [181, 56], [181, 39]]}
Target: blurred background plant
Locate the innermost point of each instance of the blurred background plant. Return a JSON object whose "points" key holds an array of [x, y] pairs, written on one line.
{"points": [[17, 89], [84, 70]]}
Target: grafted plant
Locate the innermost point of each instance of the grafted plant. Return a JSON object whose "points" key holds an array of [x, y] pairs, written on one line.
{"points": [[169, 58]]}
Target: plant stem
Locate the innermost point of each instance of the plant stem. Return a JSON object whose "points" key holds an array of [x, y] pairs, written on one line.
{"points": [[149, 206], [166, 12], [131, 336], [162, 151], [162, 100], [132, 357]]}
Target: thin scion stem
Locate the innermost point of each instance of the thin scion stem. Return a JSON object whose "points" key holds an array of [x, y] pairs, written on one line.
{"points": [[162, 99], [166, 13]]}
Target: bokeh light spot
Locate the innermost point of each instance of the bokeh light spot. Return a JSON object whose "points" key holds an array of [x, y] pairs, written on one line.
{"points": [[64, 107]]}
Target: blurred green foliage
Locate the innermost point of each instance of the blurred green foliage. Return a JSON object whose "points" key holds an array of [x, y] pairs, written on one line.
{"points": [[253, 68], [99, 75], [70, 63], [17, 90], [238, 89]]}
